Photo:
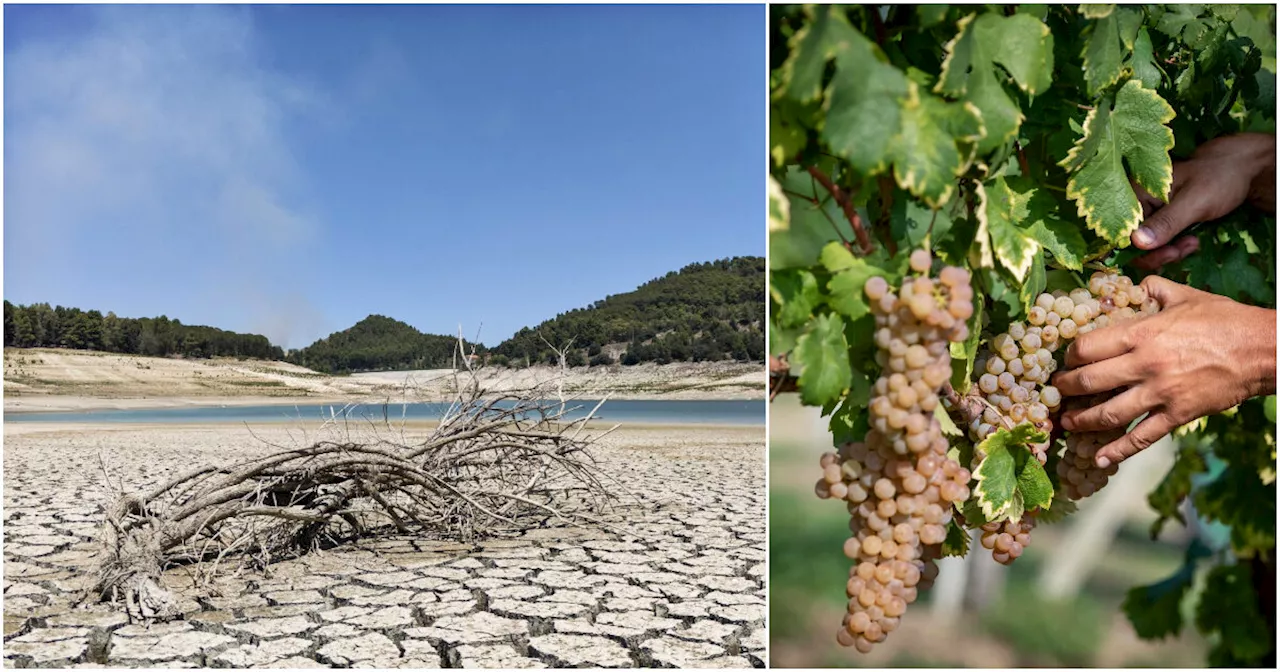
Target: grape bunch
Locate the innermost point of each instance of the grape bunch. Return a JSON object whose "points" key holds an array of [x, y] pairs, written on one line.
{"points": [[1119, 300], [898, 485], [1014, 386], [1007, 539]]}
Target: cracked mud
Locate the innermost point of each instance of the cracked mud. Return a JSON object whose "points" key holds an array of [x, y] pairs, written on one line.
{"points": [[684, 588]]}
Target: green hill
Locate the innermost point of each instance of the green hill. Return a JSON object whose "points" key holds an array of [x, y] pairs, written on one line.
{"points": [[377, 343], [704, 312]]}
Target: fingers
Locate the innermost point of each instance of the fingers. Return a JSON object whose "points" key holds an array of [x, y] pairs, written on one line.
{"points": [[1176, 251], [1163, 290], [1114, 413], [1169, 221], [1146, 433], [1099, 377], [1101, 344]]}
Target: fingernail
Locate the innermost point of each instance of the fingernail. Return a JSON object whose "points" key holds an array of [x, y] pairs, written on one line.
{"points": [[1144, 237], [1103, 462], [1067, 423]]}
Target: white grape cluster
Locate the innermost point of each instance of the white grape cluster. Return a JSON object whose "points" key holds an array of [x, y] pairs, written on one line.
{"points": [[899, 486], [1119, 300], [1014, 384]]}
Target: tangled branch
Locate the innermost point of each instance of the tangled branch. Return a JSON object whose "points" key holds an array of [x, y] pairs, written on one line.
{"points": [[495, 464]]}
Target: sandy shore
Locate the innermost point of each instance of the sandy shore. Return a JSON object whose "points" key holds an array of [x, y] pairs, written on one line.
{"points": [[684, 587], [74, 380]]}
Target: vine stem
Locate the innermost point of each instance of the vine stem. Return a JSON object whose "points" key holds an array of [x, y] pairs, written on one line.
{"points": [[846, 204], [1022, 159]]}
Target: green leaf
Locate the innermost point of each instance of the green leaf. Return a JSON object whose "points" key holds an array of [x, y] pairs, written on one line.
{"points": [[998, 476], [910, 223], [1133, 131], [785, 140], [1021, 45], [1166, 499], [811, 48], [799, 229], [957, 541], [845, 288], [1045, 225], [1061, 508], [1001, 211], [1144, 61], [849, 423], [865, 110], [1242, 277], [1229, 606], [823, 356], [1033, 483], [1096, 11], [797, 295], [781, 341], [1240, 499], [1271, 408], [926, 157], [1178, 18], [1156, 610], [1103, 59], [948, 425], [835, 257], [931, 15], [1035, 283]]}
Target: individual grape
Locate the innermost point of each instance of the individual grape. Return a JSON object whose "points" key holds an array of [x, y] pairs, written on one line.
{"points": [[1063, 306], [875, 288], [1051, 396], [1036, 315], [920, 260], [989, 383], [995, 366]]}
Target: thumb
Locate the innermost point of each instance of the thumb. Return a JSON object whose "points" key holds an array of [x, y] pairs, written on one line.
{"points": [[1167, 222]]}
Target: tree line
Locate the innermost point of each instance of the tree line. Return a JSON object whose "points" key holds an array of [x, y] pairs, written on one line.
{"points": [[707, 311], [41, 326]]}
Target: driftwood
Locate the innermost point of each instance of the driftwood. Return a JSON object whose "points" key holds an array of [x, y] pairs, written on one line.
{"points": [[495, 464]]}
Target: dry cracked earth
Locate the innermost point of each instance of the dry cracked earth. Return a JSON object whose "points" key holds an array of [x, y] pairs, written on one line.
{"points": [[685, 587]]}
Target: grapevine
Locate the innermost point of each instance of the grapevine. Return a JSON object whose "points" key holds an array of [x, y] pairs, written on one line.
{"points": [[953, 194]]}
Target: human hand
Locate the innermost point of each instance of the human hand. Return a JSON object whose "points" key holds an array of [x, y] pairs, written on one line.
{"points": [[1221, 175], [1202, 354]]}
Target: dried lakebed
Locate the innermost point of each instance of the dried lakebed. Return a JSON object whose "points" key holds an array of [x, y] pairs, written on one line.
{"points": [[685, 589]]}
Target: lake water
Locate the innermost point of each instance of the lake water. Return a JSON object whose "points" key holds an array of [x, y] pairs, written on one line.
{"points": [[655, 412]]}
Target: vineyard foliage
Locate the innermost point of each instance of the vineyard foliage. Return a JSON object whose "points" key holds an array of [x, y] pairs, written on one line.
{"points": [[1007, 141]]}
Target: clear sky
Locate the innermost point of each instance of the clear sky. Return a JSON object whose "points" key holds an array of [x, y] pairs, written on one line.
{"points": [[288, 170]]}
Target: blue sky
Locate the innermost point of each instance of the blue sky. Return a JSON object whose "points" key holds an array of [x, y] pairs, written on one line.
{"points": [[288, 170]]}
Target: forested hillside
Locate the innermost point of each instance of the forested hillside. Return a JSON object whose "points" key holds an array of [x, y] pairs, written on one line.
{"points": [[377, 343], [41, 326], [703, 312]]}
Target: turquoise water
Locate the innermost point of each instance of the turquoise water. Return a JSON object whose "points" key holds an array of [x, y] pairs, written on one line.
{"points": [[690, 412]]}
